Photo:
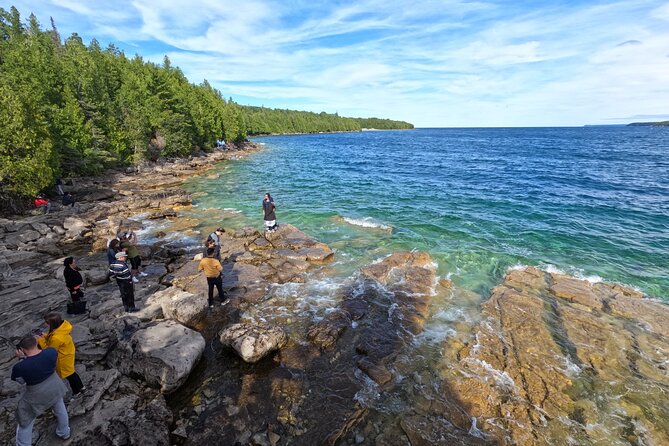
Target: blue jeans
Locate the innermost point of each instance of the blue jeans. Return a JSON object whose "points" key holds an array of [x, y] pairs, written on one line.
{"points": [[24, 435]]}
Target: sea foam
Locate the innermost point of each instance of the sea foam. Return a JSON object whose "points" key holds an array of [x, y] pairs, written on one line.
{"points": [[367, 222]]}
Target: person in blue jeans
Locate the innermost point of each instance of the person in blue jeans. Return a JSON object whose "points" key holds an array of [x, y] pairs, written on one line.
{"points": [[44, 390]]}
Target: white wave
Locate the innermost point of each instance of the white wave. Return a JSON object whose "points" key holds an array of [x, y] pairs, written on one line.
{"points": [[516, 267], [367, 222], [232, 210]]}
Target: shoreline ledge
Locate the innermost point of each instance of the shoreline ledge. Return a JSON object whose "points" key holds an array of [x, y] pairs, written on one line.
{"points": [[547, 343]]}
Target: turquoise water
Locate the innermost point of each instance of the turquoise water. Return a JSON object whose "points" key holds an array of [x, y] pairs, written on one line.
{"points": [[593, 202]]}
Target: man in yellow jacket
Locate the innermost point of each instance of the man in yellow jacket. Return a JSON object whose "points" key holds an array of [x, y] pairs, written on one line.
{"points": [[60, 340]]}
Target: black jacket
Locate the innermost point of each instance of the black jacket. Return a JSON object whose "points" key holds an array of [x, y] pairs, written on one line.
{"points": [[72, 278]]}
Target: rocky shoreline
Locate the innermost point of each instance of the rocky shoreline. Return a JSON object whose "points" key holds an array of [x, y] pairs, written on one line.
{"points": [[552, 357]]}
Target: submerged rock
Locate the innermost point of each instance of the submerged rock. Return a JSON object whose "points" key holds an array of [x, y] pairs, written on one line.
{"points": [[548, 345]]}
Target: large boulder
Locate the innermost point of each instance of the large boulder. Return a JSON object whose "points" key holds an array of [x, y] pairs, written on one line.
{"points": [[253, 341], [180, 305], [162, 353]]}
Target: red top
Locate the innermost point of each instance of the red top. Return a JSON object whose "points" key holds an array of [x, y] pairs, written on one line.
{"points": [[40, 201]]}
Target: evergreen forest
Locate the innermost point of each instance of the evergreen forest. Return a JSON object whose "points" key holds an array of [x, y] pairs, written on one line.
{"points": [[71, 109]]}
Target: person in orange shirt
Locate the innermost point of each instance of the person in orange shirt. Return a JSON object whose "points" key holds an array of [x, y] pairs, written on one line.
{"points": [[212, 270]]}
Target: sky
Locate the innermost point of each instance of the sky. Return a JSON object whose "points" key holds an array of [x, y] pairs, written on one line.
{"points": [[432, 63]]}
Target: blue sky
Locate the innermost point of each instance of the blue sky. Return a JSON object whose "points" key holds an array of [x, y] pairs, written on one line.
{"points": [[433, 63]]}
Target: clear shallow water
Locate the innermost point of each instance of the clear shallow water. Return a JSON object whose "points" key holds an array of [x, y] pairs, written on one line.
{"points": [[593, 202]]}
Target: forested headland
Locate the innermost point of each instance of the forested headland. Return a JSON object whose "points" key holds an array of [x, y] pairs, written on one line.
{"points": [[649, 124], [70, 109]]}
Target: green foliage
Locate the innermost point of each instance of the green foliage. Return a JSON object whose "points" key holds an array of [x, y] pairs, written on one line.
{"points": [[264, 121], [67, 109]]}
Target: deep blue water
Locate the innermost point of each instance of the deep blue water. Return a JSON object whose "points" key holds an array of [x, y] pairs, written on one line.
{"points": [[588, 201]]}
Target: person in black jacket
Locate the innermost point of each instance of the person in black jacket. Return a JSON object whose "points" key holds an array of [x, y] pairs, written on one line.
{"points": [[73, 279]]}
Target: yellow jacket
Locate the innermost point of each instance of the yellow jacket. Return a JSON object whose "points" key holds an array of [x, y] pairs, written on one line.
{"points": [[61, 341]]}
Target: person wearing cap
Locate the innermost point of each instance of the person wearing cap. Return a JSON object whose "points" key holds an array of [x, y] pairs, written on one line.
{"points": [[129, 243], [216, 238], [120, 271], [212, 270]]}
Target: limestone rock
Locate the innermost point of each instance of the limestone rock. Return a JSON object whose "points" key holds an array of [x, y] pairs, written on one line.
{"points": [[253, 341], [164, 213], [181, 306], [325, 333], [74, 227], [163, 353], [548, 345]]}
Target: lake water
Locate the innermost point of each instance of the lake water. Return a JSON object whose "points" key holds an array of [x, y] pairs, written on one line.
{"points": [[592, 202]]}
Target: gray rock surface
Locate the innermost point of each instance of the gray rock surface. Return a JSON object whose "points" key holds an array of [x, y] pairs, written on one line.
{"points": [[163, 353], [253, 341]]}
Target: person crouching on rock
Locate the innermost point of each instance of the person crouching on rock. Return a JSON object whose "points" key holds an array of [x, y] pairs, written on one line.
{"points": [[269, 215], [59, 339], [129, 243], [73, 279], [120, 271], [212, 270], [215, 237], [41, 202], [44, 390]]}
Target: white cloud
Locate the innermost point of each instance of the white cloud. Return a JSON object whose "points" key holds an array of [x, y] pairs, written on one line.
{"points": [[434, 63]]}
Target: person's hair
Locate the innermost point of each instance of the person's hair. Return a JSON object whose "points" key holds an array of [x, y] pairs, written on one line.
{"points": [[220, 230], [27, 342], [114, 244], [210, 251], [268, 195], [68, 261], [53, 320]]}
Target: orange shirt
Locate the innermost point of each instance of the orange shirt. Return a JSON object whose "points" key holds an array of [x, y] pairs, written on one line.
{"points": [[211, 267]]}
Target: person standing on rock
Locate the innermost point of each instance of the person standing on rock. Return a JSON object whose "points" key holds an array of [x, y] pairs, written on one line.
{"points": [[73, 279], [120, 271], [216, 238], [44, 390], [269, 215], [129, 243], [212, 270], [59, 339]]}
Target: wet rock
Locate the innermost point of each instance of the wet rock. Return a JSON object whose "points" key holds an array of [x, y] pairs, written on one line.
{"points": [[164, 213], [378, 372], [246, 232], [428, 431], [548, 343], [163, 354], [327, 331], [253, 341]]}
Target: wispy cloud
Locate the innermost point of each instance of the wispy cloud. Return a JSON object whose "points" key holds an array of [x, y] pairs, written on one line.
{"points": [[434, 63]]}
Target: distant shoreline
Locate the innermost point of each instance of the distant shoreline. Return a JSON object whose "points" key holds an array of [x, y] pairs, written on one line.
{"points": [[328, 133]]}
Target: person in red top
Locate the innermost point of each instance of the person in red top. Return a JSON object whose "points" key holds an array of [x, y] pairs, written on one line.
{"points": [[40, 201]]}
